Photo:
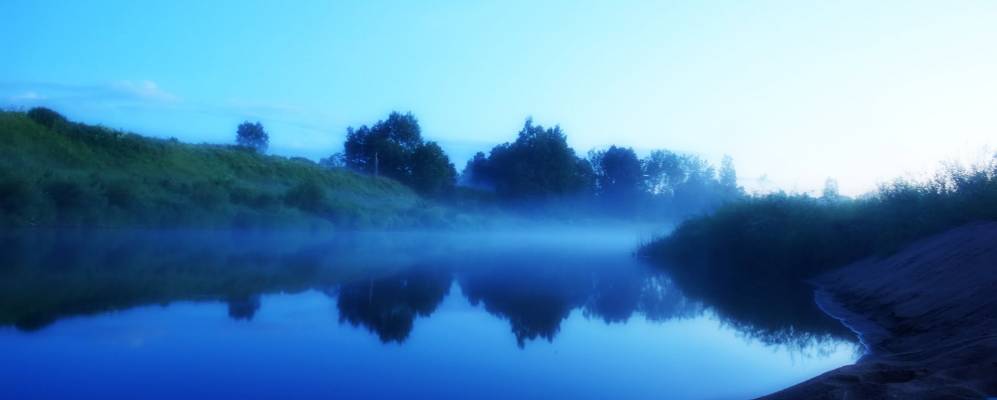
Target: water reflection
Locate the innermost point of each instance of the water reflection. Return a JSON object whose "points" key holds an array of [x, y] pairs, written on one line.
{"points": [[243, 307], [381, 282], [388, 305], [773, 310]]}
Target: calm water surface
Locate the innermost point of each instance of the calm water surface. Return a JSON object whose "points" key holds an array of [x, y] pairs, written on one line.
{"points": [[562, 314]]}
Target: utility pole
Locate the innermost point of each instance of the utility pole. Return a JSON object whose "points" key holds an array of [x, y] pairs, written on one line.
{"points": [[376, 165]]}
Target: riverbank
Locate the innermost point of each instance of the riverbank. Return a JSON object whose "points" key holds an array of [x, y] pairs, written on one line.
{"points": [[927, 316]]}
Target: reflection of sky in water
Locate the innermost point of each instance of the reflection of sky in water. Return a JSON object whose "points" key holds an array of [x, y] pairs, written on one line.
{"points": [[294, 346]]}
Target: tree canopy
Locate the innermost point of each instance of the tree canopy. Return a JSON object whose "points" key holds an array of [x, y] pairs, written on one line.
{"points": [[619, 177], [538, 165], [253, 136], [394, 148]]}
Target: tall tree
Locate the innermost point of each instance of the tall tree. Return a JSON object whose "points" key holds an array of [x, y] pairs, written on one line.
{"points": [[394, 148], [253, 136], [385, 147], [662, 172], [618, 173], [432, 172], [538, 165], [476, 172], [728, 177]]}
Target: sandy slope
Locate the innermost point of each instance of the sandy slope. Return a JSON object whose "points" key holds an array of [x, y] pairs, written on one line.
{"points": [[927, 315]]}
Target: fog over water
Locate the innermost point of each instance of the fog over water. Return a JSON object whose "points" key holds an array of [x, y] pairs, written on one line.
{"points": [[426, 313]]}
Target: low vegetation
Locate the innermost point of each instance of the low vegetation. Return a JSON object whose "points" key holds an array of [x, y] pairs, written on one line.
{"points": [[785, 237], [54, 172]]}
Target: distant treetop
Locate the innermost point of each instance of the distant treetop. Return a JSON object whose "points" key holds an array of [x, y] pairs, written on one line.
{"points": [[46, 117], [252, 136]]}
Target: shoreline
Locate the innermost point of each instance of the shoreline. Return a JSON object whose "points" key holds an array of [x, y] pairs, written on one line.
{"points": [[927, 317]]}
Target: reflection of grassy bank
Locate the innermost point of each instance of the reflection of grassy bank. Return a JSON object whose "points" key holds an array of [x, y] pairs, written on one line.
{"points": [[56, 172], [792, 237], [48, 275]]}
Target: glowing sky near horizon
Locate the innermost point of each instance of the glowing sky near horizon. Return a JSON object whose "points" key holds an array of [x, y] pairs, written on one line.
{"points": [[795, 91]]}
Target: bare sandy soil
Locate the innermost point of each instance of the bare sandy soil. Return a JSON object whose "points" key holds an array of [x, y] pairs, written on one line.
{"points": [[927, 316]]}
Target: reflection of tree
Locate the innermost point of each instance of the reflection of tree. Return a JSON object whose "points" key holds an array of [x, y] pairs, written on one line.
{"points": [[388, 306], [615, 294], [534, 308], [661, 300], [243, 307], [619, 294], [536, 295]]}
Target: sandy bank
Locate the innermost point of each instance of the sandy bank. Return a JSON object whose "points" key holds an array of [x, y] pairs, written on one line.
{"points": [[927, 316]]}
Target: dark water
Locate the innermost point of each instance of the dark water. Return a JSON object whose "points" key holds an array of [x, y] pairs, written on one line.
{"points": [[539, 314]]}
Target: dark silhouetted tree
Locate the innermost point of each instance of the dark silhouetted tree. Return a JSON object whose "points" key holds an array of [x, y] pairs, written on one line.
{"points": [[662, 172], [476, 173], [683, 184], [252, 136], [538, 165], [432, 172], [618, 176], [728, 177], [394, 148]]}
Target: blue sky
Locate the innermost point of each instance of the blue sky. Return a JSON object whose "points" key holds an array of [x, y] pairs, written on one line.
{"points": [[795, 91]]}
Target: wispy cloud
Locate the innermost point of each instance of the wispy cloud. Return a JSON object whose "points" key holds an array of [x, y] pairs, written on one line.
{"points": [[122, 93], [144, 90], [27, 96]]}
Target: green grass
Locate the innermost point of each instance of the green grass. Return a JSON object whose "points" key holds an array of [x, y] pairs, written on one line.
{"points": [[58, 173]]}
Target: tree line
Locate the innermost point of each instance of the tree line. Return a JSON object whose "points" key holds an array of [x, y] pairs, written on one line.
{"points": [[538, 167]]}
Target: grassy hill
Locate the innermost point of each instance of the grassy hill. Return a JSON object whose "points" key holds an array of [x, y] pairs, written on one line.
{"points": [[54, 172]]}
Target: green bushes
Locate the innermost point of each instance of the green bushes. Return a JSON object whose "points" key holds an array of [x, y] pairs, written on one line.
{"points": [[15, 195], [248, 197], [209, 196], [74, 202], [120, 194], [307, 196]]}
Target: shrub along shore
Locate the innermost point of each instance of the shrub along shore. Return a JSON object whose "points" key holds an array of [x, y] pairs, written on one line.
{"points": [[788, 238]]}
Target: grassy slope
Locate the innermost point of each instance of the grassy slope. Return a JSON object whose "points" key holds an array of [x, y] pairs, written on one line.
{"points": [[75, 174]]}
